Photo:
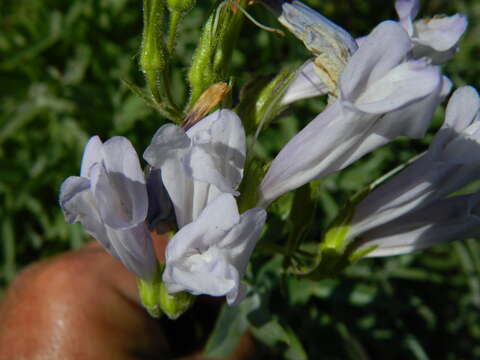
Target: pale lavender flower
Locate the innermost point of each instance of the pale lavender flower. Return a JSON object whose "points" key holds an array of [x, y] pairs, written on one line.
{"points": [[411, 211], [199, 164], [210, 255], [201, 169], [435, 38], [306, 84], [381, 97], [109, 199]]}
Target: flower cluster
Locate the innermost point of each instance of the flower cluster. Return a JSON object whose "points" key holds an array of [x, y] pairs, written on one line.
{"points": [[380, 87]]}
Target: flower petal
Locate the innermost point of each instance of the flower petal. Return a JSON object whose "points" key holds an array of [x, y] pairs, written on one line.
{"points": [[322, 147], [407, 10], [92, 154], [408, 82], [113, 203], [381, 51], [194, 250], [306, 84], [440, 33], [223, 153], [463, 108], [240, 242], [462, 114], [210, 227], [167, 140], [201, 166], [445, 220], [78, 205], [134, 248], [179, 187]]}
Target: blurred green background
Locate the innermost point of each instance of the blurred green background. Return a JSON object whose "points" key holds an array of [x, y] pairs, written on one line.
{"points": [[61, 70]]}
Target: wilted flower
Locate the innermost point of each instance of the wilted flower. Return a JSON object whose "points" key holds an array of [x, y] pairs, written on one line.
{"points": [[381, 97], [412, 210], [331, 44], [109, 199]]}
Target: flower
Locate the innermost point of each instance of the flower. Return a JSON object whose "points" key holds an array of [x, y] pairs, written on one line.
{"points": [[306, 84], [210, 255], [412, 210], [109, 199], [435, 38], [381, 97], [199, 164], [201, 169]]}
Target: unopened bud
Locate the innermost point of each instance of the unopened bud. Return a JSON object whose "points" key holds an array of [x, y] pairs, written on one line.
{"points": [[152, 57], [214, 51]]}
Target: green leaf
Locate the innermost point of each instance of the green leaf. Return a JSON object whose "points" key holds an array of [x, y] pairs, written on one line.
{"points": [[231, 325], [280, 337]]}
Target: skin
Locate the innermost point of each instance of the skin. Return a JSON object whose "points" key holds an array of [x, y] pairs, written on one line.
{"points": [[84, 305]]}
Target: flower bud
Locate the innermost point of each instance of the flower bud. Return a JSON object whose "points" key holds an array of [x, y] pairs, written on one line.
{"points": [[152, 56], [153, 53], [214, 51]]}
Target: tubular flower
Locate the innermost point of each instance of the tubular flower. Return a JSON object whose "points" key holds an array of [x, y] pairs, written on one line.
{"points": [[110, 200], [210, 255], [435, 38], [199, 164], [413, 211], [381, 97], [201, 169]]}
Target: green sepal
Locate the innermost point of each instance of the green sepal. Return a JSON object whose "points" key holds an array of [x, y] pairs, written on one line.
{"points": [[174, 305], [149, 292], [337, 251], [157, 301], [260, 100]]}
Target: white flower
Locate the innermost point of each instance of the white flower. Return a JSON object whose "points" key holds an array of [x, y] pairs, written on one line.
{"points": [[210, 255], [199, 164], [434, 38], [201, 169], [412, 211], [381, 97], [109, 199]]}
